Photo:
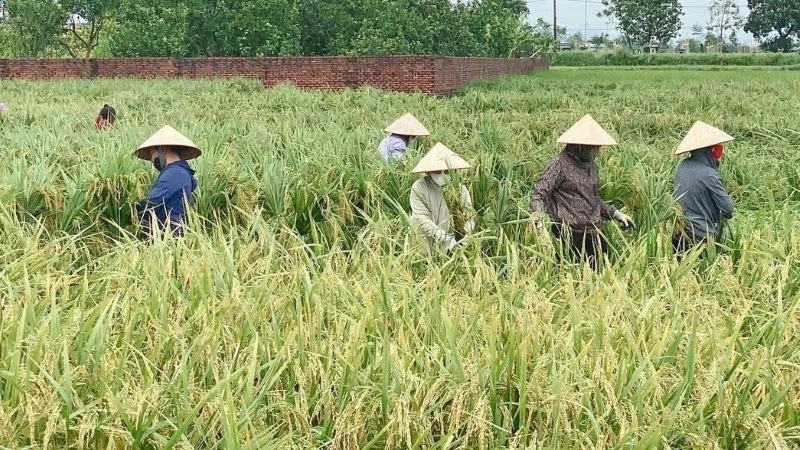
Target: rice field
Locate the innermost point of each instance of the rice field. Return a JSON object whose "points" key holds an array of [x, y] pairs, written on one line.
{"points": [[298, 313]]}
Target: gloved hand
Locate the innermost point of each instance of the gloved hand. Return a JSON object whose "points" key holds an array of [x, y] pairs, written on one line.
{"points": [[452, 243], [469, 227], [624, 219]]}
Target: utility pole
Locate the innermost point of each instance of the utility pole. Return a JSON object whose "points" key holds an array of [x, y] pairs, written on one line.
{"points": [[555, 24], [585, 20]]}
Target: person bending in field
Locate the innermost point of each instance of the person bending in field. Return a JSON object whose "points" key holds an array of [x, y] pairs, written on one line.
{"points": [[698, 187], [107, 117], [568, 191], [403, 131], [442, 212], [165, 207]]}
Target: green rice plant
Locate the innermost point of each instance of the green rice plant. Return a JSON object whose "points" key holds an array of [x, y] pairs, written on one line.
{"points": [[298, 311]]}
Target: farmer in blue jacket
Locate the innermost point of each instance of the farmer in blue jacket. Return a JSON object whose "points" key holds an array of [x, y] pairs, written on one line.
{"points": [[699, 189], [166, 204]]}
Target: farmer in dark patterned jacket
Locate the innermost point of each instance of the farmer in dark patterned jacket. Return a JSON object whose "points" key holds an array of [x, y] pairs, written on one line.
{"points": [[568, 191]]}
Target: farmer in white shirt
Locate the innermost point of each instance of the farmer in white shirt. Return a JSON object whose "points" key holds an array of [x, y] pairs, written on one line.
{"points": [[403, 131]]}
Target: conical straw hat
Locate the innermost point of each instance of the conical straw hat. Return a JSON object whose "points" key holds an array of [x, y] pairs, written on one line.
{"points": [[169, 137], [702, 135], [408, 125], [587, 132], [440, 158]]}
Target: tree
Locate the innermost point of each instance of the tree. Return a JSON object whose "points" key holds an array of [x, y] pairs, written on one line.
{"points": [[769, 18], [84, 21], [698, 32], [725, 18], [200, 28], [38, 25], [73, 25], [576, 40], [495, 25], [151, 28], [542, 27], [640, 19], [600, 41]]}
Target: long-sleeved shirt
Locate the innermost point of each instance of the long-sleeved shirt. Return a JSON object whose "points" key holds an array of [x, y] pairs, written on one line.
{"points": [[392, 147], [166, 201], [699, 190], [431, 214], [569, 192]]}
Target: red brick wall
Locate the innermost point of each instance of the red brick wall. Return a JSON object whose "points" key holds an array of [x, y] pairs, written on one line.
{"points": [[429, 74], [454, 73]]}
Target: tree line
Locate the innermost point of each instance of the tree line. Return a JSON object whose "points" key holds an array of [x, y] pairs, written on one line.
{"points": [[191, 28], [774, 23], [494, 28]]}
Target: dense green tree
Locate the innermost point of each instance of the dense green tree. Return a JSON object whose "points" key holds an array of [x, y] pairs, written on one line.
{"points": [[328, 27], [151, 28], [273, 27], [776, 22], [38, 25], [243, 27], [639, 20]]}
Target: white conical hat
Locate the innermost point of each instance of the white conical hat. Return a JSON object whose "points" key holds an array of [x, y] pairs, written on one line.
{"points": [[408, 125], [169, 137], [587, 132], [440, 158], [702, 135]]}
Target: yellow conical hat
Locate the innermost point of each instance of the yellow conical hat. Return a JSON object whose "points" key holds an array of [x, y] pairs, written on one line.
{"points": [[702, 135], [440, 158], [408, 125], [587, 132], [169, 137]]}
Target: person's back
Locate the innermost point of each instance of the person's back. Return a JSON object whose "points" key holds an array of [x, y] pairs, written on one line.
{"points": [[699, 190], [393, 147], [167, 201]]}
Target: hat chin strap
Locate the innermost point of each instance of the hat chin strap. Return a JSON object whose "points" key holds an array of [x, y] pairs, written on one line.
{"points": [[162, 157]]}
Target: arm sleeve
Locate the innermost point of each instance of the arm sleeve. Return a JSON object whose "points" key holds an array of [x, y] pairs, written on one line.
{"points": [[607, 210], [721, 197], [466, 198], [547, 183], [168, 183], [397, 149], [421, 214]]}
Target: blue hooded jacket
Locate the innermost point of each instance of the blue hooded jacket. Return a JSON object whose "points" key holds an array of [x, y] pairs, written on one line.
{"points": [[699, 190], [167, 199]]}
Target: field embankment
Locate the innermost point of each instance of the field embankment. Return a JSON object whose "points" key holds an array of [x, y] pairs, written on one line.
{"points": [[583, 59]]}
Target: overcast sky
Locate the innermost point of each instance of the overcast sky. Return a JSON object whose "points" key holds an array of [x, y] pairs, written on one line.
{"points": [[574, 14]]}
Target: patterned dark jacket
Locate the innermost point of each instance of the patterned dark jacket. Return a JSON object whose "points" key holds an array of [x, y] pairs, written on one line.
{"points": [[569, 192]]}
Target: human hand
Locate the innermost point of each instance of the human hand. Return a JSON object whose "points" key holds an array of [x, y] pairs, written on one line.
{"points": [[624, 219]]}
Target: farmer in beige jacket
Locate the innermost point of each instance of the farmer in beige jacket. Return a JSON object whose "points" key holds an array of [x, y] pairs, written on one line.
{"points": [[443, 223]]}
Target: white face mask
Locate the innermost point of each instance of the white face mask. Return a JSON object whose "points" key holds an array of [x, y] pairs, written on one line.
{"points": [[441, 179]]}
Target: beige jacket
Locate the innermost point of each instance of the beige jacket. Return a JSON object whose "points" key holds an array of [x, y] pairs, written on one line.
{"points": [[431, 215]]}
